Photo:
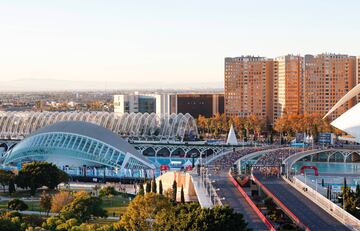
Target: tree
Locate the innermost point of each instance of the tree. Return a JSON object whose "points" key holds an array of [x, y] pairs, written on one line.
{"points": [[12, 187], [148, 187], [182, 198], [345, 184], [45, 202], [191, 216], [168, 193], [38, 174], [141, 190], [107, 191], [143, 209], [174, 192], [17, 204], [83, 208], [153, 186], [160, 188], [6, 177], [8, 224], [60, 200], [357, 191]]}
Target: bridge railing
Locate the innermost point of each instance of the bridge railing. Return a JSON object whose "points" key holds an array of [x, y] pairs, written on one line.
{"points": [[251, 203], [210, 189], [329, 206]]}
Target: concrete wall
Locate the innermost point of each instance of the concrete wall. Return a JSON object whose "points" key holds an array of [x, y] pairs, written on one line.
{"points": [[182, 179]]}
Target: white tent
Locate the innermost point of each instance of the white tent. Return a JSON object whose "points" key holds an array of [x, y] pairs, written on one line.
{"points": [[231, 139]]}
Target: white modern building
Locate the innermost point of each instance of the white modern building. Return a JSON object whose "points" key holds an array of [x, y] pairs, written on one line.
{"points": [[349, 121], [144, 103]]}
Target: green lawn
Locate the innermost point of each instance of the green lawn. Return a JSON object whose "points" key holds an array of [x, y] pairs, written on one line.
{"points": [[117, 205], [26, 193], [33, 205]]}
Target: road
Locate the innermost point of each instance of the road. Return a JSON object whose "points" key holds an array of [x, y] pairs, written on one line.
{"points": [[308, 213], [235, 200]]}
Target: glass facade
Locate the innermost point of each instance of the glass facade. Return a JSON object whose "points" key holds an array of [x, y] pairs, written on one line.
{"points": [[79, 154]]}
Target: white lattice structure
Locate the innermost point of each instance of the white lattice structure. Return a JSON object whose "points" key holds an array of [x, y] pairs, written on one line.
{"points": [[134, 126]]}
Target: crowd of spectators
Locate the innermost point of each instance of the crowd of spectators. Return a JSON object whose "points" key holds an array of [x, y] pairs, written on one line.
{"points": [[226, 161], [270, 163]]}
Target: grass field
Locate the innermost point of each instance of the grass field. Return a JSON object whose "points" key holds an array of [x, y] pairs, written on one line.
{"points": [[33, 205], [115, 206]]}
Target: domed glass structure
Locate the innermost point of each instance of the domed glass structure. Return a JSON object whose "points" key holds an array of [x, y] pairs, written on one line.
{"points": [[81, 148]]}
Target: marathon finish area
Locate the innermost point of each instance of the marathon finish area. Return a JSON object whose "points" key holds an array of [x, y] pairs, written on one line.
{"points": [[267, 173]]}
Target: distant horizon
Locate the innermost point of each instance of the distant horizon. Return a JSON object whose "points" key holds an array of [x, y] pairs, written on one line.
{"points": [[45, 85]]}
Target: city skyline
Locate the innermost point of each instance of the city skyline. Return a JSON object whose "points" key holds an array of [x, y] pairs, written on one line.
{"points": [[163, 41]]}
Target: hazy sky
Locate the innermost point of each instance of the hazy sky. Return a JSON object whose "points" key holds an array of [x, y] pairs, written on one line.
{"points": [[134, 40]]}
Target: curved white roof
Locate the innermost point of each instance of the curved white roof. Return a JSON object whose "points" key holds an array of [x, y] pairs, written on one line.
{"points": [[93, 131], [349, 122], [82, 141], [352, 93]]}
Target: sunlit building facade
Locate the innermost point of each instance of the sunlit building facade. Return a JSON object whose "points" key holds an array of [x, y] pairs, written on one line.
{"points": [[327, 78], [288, 85], [248, 86], [358, 75]]}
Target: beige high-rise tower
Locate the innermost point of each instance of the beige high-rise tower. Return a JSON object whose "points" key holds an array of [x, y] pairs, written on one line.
{"points": [[327, 78], [288, 85], [358, 76], [248, 86]]}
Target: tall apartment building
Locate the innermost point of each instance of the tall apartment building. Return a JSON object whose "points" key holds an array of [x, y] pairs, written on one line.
{"points": [[327, 78], [248, 86], [288, 85], [358, 76]]}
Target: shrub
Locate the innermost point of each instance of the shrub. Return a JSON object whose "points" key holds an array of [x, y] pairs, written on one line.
{"points": [[17, 204]]}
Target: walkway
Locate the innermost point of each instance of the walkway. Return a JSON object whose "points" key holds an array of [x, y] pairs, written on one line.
{"points": [[202, 196], [230, 194], [308, 213]]}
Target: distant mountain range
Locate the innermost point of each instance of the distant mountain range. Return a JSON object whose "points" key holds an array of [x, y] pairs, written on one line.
{"points": [[69, 85]]}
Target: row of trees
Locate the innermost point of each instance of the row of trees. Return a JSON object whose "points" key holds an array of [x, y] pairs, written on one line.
{"points": [[311, 124], [146, 212], [72, 216], [351, 200], [33, 176], [219, 124], [151, 187], [157, 212], [287, 125]]}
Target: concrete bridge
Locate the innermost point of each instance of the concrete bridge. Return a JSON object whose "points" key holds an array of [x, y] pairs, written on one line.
{"points": [[162, 149], [322, 155]]}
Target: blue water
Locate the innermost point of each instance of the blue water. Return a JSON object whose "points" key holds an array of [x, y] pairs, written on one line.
{"points": [[335, 173], [343, 168]]}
